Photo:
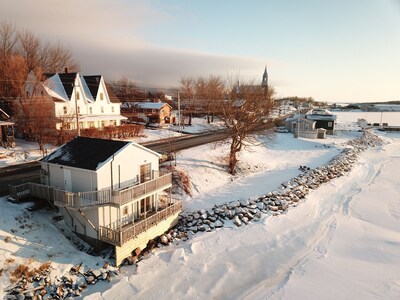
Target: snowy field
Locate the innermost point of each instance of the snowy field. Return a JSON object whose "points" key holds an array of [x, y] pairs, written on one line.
{"points": [[392, 118], [342, 242]]}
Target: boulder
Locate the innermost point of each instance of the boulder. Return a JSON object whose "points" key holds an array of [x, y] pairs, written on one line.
{"points": [[164, 239], [237, 221]]}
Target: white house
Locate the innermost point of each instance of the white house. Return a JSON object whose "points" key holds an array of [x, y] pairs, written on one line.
{"points": [[108, 192], [76, 95]]}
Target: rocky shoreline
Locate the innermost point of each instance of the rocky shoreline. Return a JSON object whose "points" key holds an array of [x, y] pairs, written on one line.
{"points": [[273, 203]]}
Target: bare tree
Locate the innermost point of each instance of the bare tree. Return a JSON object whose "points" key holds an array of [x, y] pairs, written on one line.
{"points": [[243, 112], [215, 92], [8, 40], [30, 49], [187, 94], [55, 59], [34, 115], [125, 89], [16, 72], [35, 119]]}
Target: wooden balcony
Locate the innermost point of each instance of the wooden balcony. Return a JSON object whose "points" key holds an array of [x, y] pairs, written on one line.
{"points": [[120, 236], [81, 200]]}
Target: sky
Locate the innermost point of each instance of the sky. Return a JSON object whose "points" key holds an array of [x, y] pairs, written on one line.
{"points": [[335, 51]]}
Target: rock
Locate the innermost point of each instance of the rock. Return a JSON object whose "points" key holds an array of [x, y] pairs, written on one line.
{"points": [[237, 221], [245, 220], [212, 218], [104, 276], [136, 252], [164, 239], [193, 228], [20, 296], [29, 294], [233, 204], [244, 203], [91, 279], [229, 214], [96, 273], [218, 224]]}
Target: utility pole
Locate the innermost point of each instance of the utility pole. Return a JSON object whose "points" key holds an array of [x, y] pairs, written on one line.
{"points": [[76, 112], [179, 112]]}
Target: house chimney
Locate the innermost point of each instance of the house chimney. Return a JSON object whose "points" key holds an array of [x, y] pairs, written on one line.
{"points": [[66, 70]]}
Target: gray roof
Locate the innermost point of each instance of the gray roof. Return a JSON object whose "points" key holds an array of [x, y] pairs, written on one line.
{"points": [[85, 153]]}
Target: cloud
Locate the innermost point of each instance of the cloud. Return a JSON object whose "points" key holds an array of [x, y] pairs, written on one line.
{"points": [[106, 38], [162, 67]]}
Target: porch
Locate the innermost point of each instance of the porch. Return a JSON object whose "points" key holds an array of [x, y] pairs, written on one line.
{"points": [[121, 235], [82, 200]]}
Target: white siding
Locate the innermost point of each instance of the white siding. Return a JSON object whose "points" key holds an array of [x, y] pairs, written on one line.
{"points": [[82, 180], [125, 167]]}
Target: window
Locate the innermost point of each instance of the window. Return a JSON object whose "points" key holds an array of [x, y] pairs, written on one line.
{"points": [[102, 110], [102, 124], [79, 110], [112, 108], [77, 95], [90, 110], [65, 110], [101, 96], [125, 210], [329, 124]]}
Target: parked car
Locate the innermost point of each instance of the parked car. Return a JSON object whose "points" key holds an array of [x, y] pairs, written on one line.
{"points": [[281, 129]]}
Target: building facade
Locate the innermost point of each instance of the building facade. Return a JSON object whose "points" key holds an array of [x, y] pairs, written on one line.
{"points": [[79, 101]]}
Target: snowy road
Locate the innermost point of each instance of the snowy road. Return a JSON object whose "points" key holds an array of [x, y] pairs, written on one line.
{"points": [[343, 242]]}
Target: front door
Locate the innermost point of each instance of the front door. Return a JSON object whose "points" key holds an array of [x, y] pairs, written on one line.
{"points": [[145, 172], [67, 180]]}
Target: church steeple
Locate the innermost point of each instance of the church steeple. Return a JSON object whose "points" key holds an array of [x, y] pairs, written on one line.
{"points": [[264, 82]]}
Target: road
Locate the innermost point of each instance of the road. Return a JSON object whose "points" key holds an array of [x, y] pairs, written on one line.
{"points": [[26, 172]]}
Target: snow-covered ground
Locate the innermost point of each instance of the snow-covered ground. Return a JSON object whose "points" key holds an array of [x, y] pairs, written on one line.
{"points": [[342, 242]]}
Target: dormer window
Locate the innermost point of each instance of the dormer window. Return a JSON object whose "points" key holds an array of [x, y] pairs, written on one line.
{"points": [[101, 96], [77, 95], [102, 110]]}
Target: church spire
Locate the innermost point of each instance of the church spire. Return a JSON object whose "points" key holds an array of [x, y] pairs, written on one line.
{"points": [[264, 82]]}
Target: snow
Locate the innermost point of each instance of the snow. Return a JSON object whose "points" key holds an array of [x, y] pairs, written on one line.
{"points": [[341, 242]]}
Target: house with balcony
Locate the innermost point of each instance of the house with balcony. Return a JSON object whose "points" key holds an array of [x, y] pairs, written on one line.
{"points": [[83, 100], [108, 192]]}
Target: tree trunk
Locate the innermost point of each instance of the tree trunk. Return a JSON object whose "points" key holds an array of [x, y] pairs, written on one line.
{"points": [[235, 148]]}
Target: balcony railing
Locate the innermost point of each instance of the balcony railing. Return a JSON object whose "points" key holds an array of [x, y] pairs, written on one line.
{"points": [[119, 236], [79, 200]]}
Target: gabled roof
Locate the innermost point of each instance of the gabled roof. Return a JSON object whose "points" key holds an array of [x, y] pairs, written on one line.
{"points": [[93, 83], [85, 153], [68, 81]]}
